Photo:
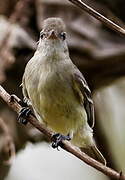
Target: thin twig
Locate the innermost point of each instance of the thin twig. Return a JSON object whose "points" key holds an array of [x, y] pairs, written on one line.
{"points": [[99, 16], [18, 16], [20, 11], [65, 144], [7, 147]]}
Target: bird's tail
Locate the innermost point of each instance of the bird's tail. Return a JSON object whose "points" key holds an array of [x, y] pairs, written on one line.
{"points": [[93, 152]]}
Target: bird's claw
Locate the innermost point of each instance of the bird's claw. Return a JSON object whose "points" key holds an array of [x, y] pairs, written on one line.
{"points": [[13, 98], [23, 114], [57, 140]]}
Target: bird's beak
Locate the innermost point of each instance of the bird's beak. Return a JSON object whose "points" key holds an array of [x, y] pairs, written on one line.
{"points": [[52, 35]]}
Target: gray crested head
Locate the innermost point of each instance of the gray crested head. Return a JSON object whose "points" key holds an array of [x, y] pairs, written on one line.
{"points": [[55, 24], [53, 37]]}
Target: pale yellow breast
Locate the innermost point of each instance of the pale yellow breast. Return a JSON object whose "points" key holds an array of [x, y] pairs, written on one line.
{"points": [[58, 105], [50, 90]]}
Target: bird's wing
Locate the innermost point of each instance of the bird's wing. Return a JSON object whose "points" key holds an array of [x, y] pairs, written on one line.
{"points": [[83, 94]]}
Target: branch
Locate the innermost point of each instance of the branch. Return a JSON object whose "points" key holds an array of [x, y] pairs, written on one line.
{"points": [[14, 34], [99, 16], [21, 11], [65, 144], [7, 147]]}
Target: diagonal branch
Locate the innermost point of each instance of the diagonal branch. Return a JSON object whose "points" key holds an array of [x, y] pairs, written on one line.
{"points": [[65, 144], [98, 16]]}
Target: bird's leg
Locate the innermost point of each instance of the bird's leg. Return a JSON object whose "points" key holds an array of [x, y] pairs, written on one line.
{"points": [[23, 114], [14, 98], [23, 103], [58, 138]]}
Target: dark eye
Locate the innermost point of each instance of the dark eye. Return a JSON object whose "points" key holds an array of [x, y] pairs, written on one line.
{"points": [[63, 35], [42, 34]]}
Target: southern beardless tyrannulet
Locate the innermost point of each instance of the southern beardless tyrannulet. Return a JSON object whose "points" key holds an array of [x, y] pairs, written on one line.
{"points": [[57, 90]]}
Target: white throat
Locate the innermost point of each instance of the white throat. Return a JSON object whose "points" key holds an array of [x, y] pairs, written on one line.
{"points": [[53, 49]]}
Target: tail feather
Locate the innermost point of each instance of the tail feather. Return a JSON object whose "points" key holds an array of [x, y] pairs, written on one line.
{"points": [[93, 152]]}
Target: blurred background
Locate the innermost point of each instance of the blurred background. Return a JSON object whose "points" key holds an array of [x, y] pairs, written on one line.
{"points": [[97, 51]]}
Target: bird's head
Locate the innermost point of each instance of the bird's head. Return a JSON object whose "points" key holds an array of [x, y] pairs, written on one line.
{"points": [[53, 35]]}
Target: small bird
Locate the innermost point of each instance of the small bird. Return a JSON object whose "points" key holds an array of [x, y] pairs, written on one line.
{"points": [[57, 90]]}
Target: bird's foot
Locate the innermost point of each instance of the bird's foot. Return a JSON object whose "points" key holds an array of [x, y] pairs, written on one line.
{"points": [[13, 98], [23, 114], [58, 138]]}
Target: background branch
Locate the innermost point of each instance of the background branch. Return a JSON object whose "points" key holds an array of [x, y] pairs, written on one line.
{"points": [[7, 147], [98, 16], [65, 145], [107, 64]]}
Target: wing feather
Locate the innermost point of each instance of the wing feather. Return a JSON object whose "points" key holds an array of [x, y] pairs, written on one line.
{"points": [[83, 93]]}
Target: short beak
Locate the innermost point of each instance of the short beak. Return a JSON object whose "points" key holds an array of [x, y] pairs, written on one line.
{"points": [[52, 35]]}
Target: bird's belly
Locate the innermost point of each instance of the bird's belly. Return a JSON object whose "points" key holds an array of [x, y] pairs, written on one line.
{"points": [[62, 117], [54, 101], [60, 110]]}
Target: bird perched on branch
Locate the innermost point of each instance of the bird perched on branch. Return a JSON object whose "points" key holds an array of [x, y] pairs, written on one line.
{"points": [[58, 92]]}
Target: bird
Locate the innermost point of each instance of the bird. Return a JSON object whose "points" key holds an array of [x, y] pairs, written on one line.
{"points": [[57, 90]]}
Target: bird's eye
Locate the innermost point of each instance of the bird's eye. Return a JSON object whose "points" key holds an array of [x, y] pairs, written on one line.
{"points": [[42, 34], [63, 35]]}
